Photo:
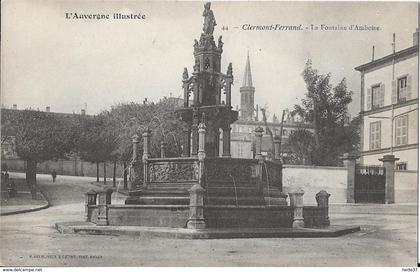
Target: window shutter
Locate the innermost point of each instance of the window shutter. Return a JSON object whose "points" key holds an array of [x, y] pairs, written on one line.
{"points": [[394, 92], [409, 87], [368, 99], [382, 96]]}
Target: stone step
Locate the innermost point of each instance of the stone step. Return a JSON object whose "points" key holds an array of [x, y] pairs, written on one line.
{"points": [[229, 180], [163, 200], [183, 186], [230, 191], [221, 200], [164, 192]]}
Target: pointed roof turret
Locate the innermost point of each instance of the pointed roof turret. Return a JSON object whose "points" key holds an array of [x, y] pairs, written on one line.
{"points": [[247, 75]]}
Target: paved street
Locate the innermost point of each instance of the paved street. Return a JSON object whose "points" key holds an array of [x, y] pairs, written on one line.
{"points": [[388, 238]]}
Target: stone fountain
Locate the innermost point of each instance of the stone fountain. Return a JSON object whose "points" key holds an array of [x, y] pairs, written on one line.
{"points": [[206, 193]]}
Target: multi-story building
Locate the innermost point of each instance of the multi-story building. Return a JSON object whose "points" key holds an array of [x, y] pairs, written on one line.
{"points": [[389, 107], [243, 129]]}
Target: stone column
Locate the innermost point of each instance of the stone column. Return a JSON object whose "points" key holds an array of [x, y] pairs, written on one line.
{"points": [[201, 141], [349, 161], [136, 173], [135, 141], [258, 143], [217, 142], [226, 141], [322, 200], [196, 219], [296, 201], [146, 154], [186, 147], [194, 128], [388, 162], [163, 149], [90, 199], [277, 142], [104, 199]]}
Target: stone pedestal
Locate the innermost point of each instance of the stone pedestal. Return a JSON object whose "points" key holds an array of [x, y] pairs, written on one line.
{"points": [[296, 201], [104, 199], [389, 165], [349, 161], [196, 219], [323, 202]]}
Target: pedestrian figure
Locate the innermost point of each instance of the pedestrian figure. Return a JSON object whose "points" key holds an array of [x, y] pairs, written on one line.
{"points": [[54, 175]]}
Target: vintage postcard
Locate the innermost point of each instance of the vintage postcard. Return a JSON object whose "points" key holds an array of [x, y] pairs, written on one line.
{"points": [[209, 134]]}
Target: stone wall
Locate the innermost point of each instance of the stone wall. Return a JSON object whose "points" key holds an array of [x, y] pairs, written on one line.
{"points": [[313, 179], [406, 183]]}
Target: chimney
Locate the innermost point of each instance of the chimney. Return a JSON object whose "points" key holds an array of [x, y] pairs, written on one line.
{"points": [[373, 53], [83, 112], [47, 108], [15, 106], [416, 37], [393, 43]]}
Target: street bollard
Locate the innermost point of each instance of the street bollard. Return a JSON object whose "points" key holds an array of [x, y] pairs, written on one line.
{"points": [[322, 200], [296, 201], [196, 219]]}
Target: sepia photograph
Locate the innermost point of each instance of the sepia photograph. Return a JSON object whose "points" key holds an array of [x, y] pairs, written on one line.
{"points": [[209, 134]]}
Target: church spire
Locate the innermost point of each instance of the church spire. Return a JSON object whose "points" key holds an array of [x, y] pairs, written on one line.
{"points": [[247, 75]]}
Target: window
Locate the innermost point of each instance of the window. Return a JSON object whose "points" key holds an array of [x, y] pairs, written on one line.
{"points": [[401, 130], [401, 166], [375, 135], [402, 89], [376, 96]]}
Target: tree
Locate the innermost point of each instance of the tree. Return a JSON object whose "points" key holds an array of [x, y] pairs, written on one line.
{"points": [[301, 143], [326, 108], [129, 119], [39, 136], [96, 141]]}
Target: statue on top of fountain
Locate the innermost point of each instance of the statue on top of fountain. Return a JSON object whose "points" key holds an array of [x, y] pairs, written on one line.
{"points": [[209, 20]]}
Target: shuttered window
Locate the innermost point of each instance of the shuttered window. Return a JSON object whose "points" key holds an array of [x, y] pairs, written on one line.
{"points": [[401, 130], [377, 96], [402, 89], [375, 135]]}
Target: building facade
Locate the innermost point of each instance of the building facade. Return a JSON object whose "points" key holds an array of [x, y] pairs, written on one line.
{"points": [[389, 108]]}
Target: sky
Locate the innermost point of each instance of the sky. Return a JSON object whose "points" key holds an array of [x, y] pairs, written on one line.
{"points": [[67, 64]]}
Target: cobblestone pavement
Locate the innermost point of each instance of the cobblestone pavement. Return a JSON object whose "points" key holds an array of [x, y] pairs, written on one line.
{"points": [[388, 238]]}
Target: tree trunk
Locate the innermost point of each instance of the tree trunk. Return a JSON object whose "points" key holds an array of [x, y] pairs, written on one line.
{"points": [[114, 175], [97, 171], [31, 177], [125, 176], [104, 172]]}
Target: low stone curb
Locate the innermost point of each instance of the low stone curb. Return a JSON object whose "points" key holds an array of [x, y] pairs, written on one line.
{"points": [[45, 206], [179, 233]]}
